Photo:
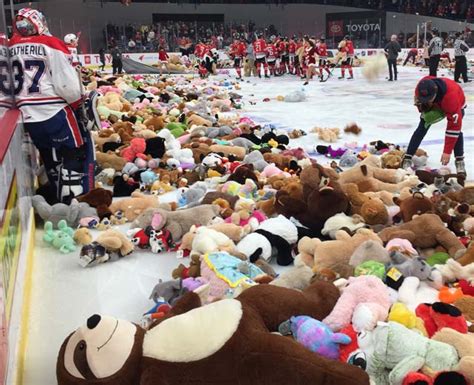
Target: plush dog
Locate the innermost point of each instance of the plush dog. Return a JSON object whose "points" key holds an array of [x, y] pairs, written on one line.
{"points": [[173, 349]]}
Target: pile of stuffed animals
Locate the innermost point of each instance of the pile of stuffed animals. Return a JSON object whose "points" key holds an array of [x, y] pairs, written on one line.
{"points": [[378, 284]]}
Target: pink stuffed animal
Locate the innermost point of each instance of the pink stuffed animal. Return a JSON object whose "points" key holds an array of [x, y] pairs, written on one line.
{"points": [[402, 245], [364, 302], [272, 170], [253, 220], [136, 149]]}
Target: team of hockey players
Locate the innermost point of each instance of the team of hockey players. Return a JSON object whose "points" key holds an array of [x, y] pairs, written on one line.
{"points": [[305, 57]]}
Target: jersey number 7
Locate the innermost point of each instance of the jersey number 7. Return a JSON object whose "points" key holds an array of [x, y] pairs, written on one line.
{"points": [[18, 76]]}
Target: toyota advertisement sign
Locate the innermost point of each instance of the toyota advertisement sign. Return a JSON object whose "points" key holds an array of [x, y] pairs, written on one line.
{"points": [[358, 25]]}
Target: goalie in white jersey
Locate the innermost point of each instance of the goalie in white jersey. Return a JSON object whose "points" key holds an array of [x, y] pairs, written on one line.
{"points": [[48, 92]]}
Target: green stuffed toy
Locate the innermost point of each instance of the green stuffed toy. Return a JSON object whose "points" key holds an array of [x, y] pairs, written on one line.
{"points": [[62, 238], [371, 268], [438, 258], [392, 351], [176, 129], [431, 117]]}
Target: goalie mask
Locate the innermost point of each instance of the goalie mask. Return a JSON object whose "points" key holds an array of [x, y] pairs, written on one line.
{"points": [[31, 22]]}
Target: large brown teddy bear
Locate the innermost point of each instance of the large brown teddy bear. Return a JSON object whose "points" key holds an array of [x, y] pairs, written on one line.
{"points": [[132, 207], [372, 209], [335, 254], [370, 177], [223, 343], [425, 231], [322, 198]]}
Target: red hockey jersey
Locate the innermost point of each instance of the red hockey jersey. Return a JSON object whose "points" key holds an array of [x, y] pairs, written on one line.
{"points": [[451, 104]]}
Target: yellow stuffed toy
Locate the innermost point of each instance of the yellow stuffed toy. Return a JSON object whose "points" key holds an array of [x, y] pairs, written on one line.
{"points": [[401, 314]]}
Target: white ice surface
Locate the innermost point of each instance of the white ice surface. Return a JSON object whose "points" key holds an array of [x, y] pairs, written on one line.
{"points": [[65, 294]]}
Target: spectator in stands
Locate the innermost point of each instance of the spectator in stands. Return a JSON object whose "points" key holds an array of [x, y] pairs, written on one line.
{"points": [[131, 45], [392, 49]]}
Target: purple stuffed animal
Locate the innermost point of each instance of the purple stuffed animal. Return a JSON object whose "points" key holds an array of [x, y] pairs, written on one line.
{"points": [[317, 337]]}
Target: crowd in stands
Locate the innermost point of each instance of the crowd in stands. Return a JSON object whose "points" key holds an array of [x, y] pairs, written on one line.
{"points": [[454, 9], [170, 34]]}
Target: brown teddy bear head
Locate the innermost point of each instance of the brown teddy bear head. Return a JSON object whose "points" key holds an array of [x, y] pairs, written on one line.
{"points": [[105, 351], [244, 172], [417, 204]]}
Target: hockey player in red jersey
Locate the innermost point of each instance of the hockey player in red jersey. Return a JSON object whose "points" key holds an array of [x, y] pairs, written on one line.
{"points": [[292, 54], [272, 55], [435, 97], [200, 49], [347, 63], [310, 60], [163, 58], [238, 50], [259, 49], [322, 50], [48, 92], [284, 58]]}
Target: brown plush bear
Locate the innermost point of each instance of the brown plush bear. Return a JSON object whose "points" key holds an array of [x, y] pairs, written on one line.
{"points": [[417, 204], [115, 241], [132, 207], [211, 196], [465, 195], [99, 198], [244, 172], [281, 161], [110, 160], [322, 198], [236, 151], [125, 130], [194, 269], [200, 150], [425, 231], [99, 140], [226, 342], [334, 254], [372, 209], [392, 159], [155, 123]]}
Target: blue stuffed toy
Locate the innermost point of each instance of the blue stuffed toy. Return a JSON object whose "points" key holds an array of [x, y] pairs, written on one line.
{"points": [[315, 335]]}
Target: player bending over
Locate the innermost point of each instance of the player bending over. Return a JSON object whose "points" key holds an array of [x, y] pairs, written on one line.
{"points": [[437, 98]]}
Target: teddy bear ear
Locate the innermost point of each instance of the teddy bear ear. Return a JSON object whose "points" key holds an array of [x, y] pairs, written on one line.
{"points": [[397, 201]]}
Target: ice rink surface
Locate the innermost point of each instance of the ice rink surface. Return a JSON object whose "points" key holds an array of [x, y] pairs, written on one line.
{"points": [[65, 294]]}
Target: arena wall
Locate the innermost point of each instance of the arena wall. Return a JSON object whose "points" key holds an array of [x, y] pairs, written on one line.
{"points": [[91, 17]]}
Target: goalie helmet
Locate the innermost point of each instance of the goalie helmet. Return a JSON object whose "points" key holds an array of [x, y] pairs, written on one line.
{"points": [[31, 22]]}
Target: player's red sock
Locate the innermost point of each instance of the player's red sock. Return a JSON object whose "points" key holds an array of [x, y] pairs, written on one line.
{"points": [[265, 67], [343, 71], [350, 72], [239, 72]]}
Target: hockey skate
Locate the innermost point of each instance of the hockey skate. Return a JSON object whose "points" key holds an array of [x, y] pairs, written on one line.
{"points": [[461, 171], [406, 163]]}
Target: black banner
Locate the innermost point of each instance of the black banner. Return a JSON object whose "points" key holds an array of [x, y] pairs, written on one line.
{"points": [[358, 25]]}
